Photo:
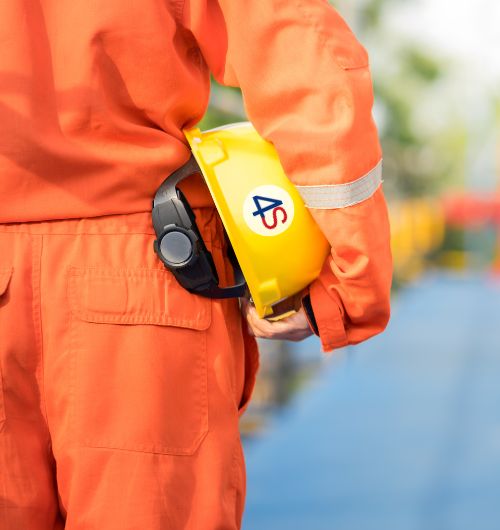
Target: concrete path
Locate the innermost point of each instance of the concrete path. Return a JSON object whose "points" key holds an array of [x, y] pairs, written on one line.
{"points": [[401, 433]]}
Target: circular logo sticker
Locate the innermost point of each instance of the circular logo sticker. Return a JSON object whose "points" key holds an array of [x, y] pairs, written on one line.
{"points": [[268, 210]]}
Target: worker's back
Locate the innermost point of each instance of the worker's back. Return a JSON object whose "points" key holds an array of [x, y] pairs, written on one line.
{"points": [[93, 96], [120, 390]]}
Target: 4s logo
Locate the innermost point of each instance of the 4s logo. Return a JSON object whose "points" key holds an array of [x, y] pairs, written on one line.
{"points": [[268, 210], [273, 205]]}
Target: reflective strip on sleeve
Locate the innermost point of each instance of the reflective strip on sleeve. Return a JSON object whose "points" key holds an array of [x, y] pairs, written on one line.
{"points": [[342, 195]]}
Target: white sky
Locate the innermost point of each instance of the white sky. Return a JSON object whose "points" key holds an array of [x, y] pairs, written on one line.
{"points": [[467, 30]]}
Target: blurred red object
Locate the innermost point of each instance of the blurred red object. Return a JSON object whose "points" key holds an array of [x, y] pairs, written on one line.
{"points": [[472, 210]]}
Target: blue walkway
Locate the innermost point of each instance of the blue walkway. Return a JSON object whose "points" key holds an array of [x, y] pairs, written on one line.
{"points": [[401, 433]]}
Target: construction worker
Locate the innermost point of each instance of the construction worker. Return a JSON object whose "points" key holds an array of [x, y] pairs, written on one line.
{"points": [[119, 390]]}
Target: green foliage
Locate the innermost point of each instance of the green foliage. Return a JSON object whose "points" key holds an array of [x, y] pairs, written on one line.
{"points": [[226, 106], [421, 65], [216, 117], [422, 155]]}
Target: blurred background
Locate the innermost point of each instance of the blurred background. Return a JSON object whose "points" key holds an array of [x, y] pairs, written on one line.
{"points": [[402, 432]]}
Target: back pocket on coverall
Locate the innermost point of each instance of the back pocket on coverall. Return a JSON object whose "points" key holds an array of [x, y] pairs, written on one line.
{"points": [[138, 342]]}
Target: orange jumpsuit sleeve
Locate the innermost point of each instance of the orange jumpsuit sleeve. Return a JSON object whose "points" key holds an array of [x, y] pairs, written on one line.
{"points": [[307, 88]]}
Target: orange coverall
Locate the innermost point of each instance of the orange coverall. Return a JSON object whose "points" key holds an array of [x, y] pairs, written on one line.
{"points": [[120, 391]]}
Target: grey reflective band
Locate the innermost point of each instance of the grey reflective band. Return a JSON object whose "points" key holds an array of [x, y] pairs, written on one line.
{"points": [[342, 195]]}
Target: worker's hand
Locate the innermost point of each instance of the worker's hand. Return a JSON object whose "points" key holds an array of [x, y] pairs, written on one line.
{"points": [[294, 328]]}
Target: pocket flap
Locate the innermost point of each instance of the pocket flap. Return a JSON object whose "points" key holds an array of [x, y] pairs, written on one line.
{"points": [[135, 296], [5, 274]]}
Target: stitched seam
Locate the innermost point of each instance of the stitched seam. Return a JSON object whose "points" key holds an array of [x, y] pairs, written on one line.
{"points": [[237, 470], [36, 279], [205, 405], [23, 230], [141, 318], [115, 272], [73, 359], [146, 448]]}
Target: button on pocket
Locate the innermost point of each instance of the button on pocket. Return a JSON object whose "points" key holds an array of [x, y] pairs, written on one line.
{"points": [[138, 344], [5, 275]]}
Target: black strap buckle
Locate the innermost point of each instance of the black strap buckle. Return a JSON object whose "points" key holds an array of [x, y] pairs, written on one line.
{"points": [[179, 244]]}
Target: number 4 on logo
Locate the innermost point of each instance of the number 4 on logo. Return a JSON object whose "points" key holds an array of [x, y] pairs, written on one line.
{"points": [[261, 210]]}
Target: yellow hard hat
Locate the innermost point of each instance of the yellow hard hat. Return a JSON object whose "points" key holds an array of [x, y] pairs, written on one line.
{"points": [[279, 247]]}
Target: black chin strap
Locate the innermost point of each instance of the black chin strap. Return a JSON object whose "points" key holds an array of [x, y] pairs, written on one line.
{"points": [[180, 246]]}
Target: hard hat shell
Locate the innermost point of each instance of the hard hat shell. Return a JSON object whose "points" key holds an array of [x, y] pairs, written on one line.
{"points": [[279, 247]]}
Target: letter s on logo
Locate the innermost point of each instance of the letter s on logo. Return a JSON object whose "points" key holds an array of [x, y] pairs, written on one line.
{"points": [[275, 218]]}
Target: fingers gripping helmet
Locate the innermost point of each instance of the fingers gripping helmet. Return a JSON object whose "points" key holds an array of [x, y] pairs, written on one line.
{"points": [[278, 248]]}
